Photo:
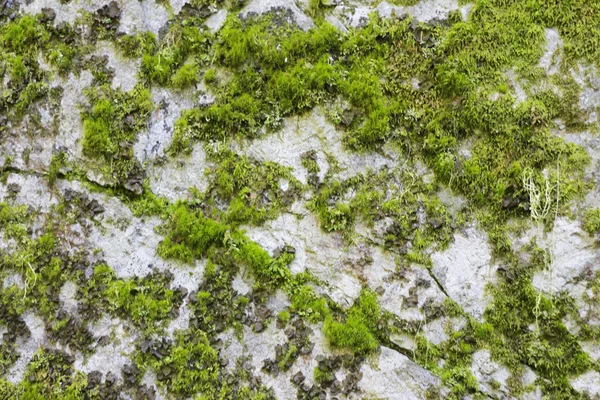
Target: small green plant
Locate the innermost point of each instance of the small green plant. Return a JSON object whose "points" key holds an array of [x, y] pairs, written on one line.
{"points": [[591, 221], [210, 77], [283, 316], [358, 332], [186, 76]]}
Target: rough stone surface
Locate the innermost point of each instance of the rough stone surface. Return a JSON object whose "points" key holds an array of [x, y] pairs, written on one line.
{"points": [[587, 383], [417, 288], [322, 254], [489, 372], [396, 377], [464, 269], [314, 132]]}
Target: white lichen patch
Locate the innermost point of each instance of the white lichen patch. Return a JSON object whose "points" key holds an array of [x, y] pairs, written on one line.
{"points": [[379, 268], [573, 251], [216, 21], [465, 10], [464, 269], [153, 142], [313, 132], [396, 377], [132, 251], [13, 280], [423, 11], [489, 373], [519, 93], [28, 190], [136, 16], [175, 177], [592, 348], [453, 203], [437, 330], [65, 11], [70, 129], [588, 79], [405, 297], [67, 296], [30, 152], [142, 16], [241, 285]]}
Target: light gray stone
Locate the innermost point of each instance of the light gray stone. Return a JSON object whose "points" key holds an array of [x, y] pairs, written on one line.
{"points": [[396, 377], [464, 269], [587, 383]]}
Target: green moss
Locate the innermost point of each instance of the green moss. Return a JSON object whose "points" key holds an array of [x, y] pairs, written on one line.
{"points": [[283, 317], [358, 332], [185, 76], [591, 221], [191, 235], [437, 93], [148, 302], [110, 128], [305, 302], [23, 35], [191, 367], [165, 64], [210, 77], [49, 375]]}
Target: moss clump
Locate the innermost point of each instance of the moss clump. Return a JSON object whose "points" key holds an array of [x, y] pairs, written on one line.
{"points": [[591, 221], [191, 366], [191, 235], [358, 333], [185, 77], [216, 306], [110, 128], [306, 303], [166, 64], [49, 375], [25, 81], [148, 302], [252, 189]]}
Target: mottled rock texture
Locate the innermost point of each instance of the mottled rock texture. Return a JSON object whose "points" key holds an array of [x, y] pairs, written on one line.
{"points": [[314, 199]]}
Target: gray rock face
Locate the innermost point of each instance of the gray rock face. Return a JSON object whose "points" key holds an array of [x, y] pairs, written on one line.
{"points": [[464, 269], [396, 377], [587, 383], [488, 372], [264, 6], [314, 132], [431, 297], [324, 255]]}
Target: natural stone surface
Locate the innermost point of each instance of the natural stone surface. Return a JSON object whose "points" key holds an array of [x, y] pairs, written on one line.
{"points": [[587, 383], [264, 6], [324, 255], [488, 372], [395, 377], [314, 132], [404, 262], [28, 347], [553, 43], [464, 269]]}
